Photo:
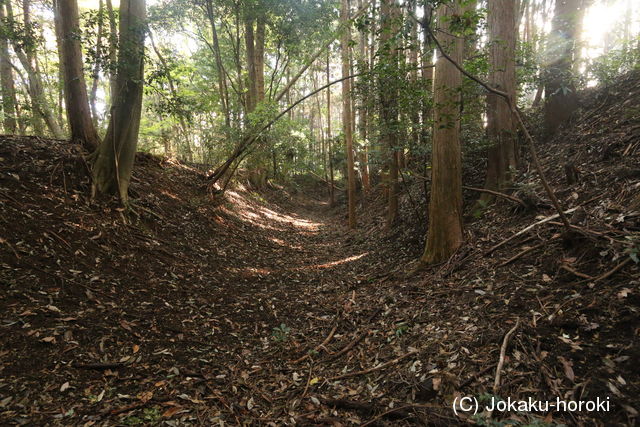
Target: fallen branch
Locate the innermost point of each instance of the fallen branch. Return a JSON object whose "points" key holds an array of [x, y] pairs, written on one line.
{"points": [[475, 376], [375, 368], [527, 228], [357, 339], [530, 249], [613, 271], [319, 346], [498, 194], [503, 351], [575, 272]]}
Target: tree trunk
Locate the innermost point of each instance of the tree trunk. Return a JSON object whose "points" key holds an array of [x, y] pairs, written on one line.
{"points": [[501, 129], [95, 78], [332, 200], [445, 206], [116, 154], [389, 21], [9, 118], [113, 43], [252, 96], [560, 90], [67, 21], [346, 112], [363, 111], [36, 90], [222, 79]]}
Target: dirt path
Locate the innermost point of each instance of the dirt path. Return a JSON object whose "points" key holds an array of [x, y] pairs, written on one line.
{"points": [[202, 311]]}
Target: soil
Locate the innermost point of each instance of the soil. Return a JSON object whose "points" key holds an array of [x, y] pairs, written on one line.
{"points": [[262, 308]]}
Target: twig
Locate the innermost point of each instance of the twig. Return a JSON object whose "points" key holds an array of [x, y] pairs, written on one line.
{"points": [[306, 387], [496, 193], [319, 346], [375, 368], [530, 249], [613, 270], [503, 350], [475, 376], [527, 228], [575, 272], [357, 339]]}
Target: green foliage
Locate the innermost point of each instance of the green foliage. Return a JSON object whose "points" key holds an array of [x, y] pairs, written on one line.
{"points": [[606, 68], [148, 416], [281, 333]]}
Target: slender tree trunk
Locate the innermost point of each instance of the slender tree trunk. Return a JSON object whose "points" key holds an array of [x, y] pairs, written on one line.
{"points": [[363, 110], [501, 129], [560, 90], [346, 112], [445, 207], [36, 90], [259, 57], [116, 154], [113, 49], [95, 78], [222, 80], [9, 100], [389, 21], [252, 96], [67, 21], [332, 200]]}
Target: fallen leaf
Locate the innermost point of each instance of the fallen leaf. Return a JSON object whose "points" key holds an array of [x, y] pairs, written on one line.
{"points": [[145, 396], [568, 368], [136, 348], [64, 386], [171, 411]]}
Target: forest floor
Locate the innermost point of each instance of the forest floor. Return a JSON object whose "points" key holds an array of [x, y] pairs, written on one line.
{"points": [[263, 309]]}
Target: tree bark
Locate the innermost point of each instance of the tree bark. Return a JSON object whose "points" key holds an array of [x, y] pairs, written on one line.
{"points": [[95, 78], [332, 200], [9, 101], [36, 90], [222, 80], [445, 206], [389, 22], [116, 154], [113, 49], [67, 21], [501, 129], [346, 112]]}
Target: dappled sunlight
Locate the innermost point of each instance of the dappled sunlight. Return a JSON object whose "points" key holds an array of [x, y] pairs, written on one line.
{"points": [[269, 219], [333, 263]]}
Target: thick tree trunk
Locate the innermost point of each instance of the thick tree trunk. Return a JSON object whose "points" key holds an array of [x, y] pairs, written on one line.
{"points": [[501, 130], [560, 90], [9, 118], [67, 21], [389, 21], [346, 112], [115, 156], [445, 206]]}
